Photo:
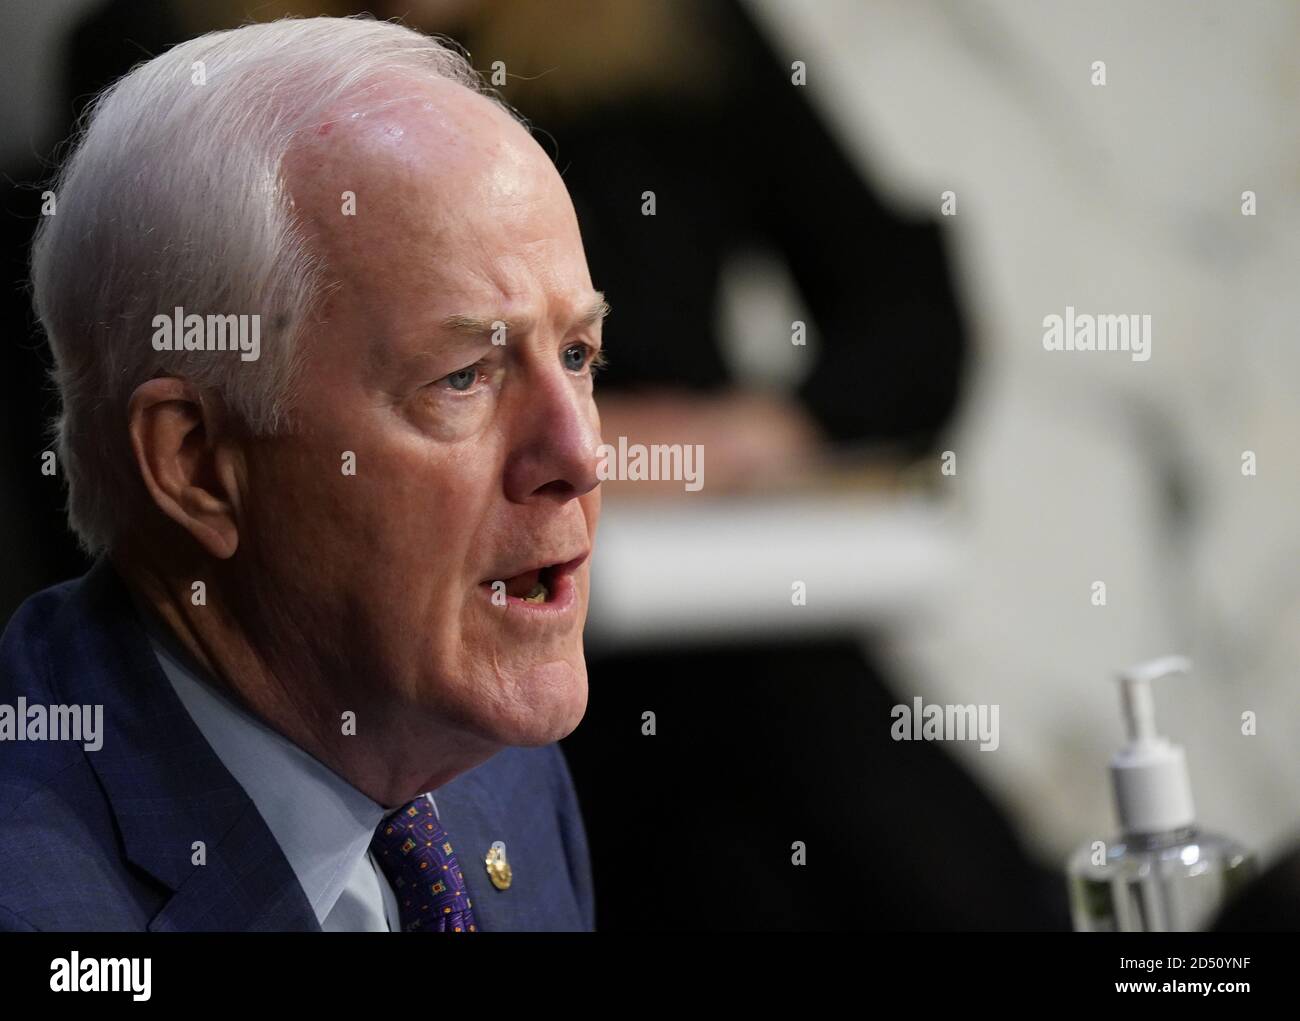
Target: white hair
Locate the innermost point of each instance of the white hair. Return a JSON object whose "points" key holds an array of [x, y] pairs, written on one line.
{"points": [[173, 196]]}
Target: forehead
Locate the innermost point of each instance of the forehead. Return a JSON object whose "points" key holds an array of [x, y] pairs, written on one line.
{"points": [[428, 187]]}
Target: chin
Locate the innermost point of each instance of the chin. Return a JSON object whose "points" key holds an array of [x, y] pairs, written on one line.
{"points": [[549, 701]]}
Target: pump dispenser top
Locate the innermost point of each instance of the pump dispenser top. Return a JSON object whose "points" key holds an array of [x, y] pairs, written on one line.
{"points": [[1165, 873], [1149, 774]]}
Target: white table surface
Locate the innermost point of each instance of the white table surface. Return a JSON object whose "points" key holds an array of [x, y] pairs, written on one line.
{"points": [[723, 568]]}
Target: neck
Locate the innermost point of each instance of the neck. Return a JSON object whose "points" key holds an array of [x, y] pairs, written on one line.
{"points": [[385, 747]]}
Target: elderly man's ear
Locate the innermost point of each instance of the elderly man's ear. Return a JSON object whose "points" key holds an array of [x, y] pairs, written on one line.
{"points": [[188, 465]]}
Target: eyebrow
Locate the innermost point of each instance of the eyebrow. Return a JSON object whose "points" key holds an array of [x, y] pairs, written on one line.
{"points": [[476, 325]]}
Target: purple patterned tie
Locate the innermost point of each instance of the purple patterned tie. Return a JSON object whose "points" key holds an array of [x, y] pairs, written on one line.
{"points": [[413, 850]]}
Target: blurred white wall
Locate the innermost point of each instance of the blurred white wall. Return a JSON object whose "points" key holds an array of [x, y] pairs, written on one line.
{"points": [[1124, 198]]}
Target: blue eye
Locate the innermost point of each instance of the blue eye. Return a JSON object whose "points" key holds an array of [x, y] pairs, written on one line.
{"points": [[462, 379], [576, 357]]}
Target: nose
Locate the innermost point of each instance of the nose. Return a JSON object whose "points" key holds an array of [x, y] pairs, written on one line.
{"points": [[556, 431]]}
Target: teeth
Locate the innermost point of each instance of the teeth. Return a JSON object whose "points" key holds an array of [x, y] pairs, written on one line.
{"points": [[538, 594]]}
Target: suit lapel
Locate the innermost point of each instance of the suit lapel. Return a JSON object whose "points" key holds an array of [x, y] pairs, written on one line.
{"points": [[465, 807], [168, 790]]}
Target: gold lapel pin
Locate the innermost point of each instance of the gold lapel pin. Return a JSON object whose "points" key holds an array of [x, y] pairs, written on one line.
{"points": [[498, 869]]}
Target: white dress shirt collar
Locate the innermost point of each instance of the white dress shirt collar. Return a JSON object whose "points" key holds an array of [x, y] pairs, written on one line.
{"points": [[322, 823]]}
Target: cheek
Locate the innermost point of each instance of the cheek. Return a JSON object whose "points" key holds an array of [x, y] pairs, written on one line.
{"points": [[299, 500], [384, 515], [423, 517]]}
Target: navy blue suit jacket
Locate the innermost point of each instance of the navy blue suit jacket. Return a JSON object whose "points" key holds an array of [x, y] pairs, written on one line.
{"points": [[101, 840]]}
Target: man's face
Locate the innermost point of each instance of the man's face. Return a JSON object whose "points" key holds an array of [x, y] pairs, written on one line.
{"points": [[475, 462]]}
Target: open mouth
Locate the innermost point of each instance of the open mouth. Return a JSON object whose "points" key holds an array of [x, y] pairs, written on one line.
{"points": [[551, 584], [532, 586]]}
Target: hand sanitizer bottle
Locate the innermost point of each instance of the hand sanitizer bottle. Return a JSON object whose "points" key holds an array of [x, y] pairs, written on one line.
{"points": [[1163, 874]]}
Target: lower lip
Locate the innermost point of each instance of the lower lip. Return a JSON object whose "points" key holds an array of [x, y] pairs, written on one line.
{"points": [[563, 595]]}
